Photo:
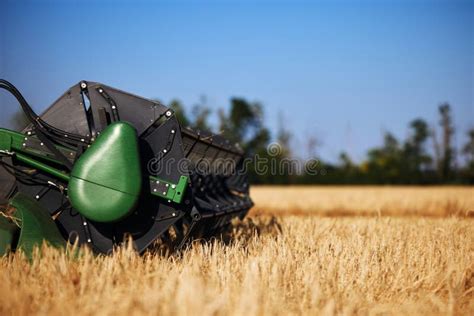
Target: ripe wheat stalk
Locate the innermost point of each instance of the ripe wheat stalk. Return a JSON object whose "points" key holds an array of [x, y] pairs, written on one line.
{"points": [[283, 265]]}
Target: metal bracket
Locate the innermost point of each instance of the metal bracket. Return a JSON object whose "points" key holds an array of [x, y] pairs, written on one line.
{"points": [[168, 190], [196, 217], [111, 102]]}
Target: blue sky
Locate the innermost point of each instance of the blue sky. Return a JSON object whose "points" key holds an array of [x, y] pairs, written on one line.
{"points": [[343, 71]]}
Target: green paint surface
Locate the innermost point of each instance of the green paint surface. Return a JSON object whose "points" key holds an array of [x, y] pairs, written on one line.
{"points": [[174, 192], [105, 181], [37, 226], [7, 232]]}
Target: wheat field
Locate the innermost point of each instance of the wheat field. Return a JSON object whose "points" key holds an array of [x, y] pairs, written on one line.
{"points": [[435, 201], [292, 256]]}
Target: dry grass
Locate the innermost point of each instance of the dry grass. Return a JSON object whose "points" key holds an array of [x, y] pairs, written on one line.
{"points": [[292, 265], [364, 200]]}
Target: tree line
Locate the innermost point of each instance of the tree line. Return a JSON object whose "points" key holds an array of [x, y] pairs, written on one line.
{"points": [[427, 156]]}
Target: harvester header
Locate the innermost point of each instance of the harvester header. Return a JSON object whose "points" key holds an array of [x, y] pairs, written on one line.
{"points": [[101, 165]]}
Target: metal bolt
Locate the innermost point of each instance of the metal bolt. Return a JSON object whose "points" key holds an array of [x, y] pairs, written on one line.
{"points": [[71, 154], [157, 182], [24, 145], [154, 190], [26, 138], [100, 90], [168, 113], [29, 133], [37, 197], [164, 193], [172, 131], [113, 107], [65, 136], [169, 201], [173, 214], [89, 240], [173, 186], [83, 85], [85, 223], [167, 185], [82, 139], [165, 151], [42, 144]]}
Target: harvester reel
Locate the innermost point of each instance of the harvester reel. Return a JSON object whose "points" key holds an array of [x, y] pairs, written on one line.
{"points": [[101, 165]]}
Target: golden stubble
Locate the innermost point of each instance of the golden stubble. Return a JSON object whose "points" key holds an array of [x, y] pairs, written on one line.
{"points": [[283, 265]]}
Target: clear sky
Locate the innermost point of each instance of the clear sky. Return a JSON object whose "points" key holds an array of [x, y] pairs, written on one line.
{"points": [[342, 71]]}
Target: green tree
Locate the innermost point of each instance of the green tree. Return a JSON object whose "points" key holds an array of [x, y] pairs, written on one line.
{"points": [[199, 114], [385, 163], [347, 171], [180, 112], [345, 161], [447, 151], [415, 158], [243, 124], [286, 172], [284, 138], [200, 117], [468, 151]]}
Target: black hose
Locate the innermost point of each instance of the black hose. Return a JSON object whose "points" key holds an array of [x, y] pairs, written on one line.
{"points": [[45, 132], [41, 125]]}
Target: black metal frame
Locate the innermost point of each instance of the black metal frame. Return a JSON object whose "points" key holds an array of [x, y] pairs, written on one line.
{"points": [[213, 198]]}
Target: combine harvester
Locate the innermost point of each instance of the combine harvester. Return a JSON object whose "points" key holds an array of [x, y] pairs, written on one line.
{"points": [[100, 166]]}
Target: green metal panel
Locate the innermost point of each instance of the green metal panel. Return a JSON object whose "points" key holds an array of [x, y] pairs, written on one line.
{"points": [[106, 180], [8, 230], [41, 166], [174, 192], [13, 141], [10, 139], [99, 203], [180, 188], [5, 141], [36, 225]]}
